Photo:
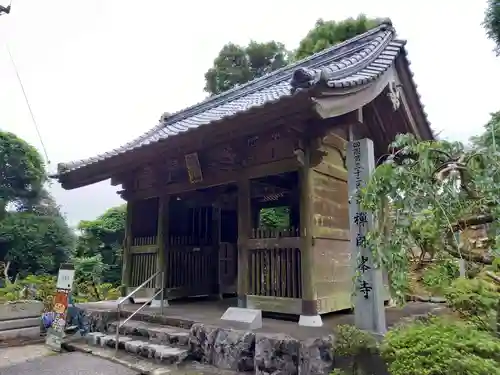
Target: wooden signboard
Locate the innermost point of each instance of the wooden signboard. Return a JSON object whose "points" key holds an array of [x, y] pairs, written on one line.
{"points": [[55, 334], [193, 167]]}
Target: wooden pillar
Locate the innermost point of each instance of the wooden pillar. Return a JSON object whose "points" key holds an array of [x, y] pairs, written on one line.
{"points": [[244, 230], [127, 256], [162, 235], [309, 316]]}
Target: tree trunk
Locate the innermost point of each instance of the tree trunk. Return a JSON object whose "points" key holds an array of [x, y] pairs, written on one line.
{"points": [[461, 251], [6, 273]]}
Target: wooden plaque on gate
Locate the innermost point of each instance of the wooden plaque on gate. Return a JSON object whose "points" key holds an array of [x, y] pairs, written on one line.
{"points": [[194, 168]]}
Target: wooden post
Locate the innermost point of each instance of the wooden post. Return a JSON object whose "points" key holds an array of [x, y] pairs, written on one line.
{"points": [[163, 202], [127, 256], [244, 229], [309, 316]]}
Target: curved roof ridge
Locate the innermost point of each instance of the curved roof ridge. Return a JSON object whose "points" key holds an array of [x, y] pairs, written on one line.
{"points": [[246, 88], [337, 62]]}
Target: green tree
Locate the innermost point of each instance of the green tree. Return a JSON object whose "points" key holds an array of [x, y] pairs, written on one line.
{"points": [[22, 171], [275, 217], [438, 182], [490, 137], [326, 34], [236, 65], [492, 23], [104, 237], [33, 244]]}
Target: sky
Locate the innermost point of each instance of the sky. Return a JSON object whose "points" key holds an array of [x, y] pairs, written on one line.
{"points": [[98, 73]]}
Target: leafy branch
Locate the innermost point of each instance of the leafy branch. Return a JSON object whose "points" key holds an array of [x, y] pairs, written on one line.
{"points": [[427, 193]]}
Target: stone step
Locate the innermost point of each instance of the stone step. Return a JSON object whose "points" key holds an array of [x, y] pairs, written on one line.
{"points": [[16, 333], [155, 333], [143, 365], [138, 346], [19, 323]]}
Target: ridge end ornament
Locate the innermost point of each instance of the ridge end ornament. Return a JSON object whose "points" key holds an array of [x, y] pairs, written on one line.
{"points": [[394, 94]]}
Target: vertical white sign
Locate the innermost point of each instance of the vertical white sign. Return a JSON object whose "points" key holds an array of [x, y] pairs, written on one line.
{"points": [[369, 288]]}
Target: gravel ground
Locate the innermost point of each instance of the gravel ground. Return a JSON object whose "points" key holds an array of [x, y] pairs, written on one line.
{"points": [[38, 360]]}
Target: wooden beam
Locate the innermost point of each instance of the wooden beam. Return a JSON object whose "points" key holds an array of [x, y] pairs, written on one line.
{"points": [[279, 166]]}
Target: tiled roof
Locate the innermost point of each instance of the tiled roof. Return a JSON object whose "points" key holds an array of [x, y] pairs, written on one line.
{"points": [[355, 62]]}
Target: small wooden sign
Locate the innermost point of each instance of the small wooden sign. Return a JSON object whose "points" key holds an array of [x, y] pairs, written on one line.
{"points": [[193, 167], [55, 334]]}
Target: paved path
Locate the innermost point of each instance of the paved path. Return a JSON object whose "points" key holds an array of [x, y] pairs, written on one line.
{"points": [[43, 362]]}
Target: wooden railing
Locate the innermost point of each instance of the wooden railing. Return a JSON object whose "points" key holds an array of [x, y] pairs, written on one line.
{"points": [[275, 263], [144, 241], [274, 233], [189, 241]]}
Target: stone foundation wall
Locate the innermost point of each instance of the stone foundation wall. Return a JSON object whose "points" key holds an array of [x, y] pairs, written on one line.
{"points": [[252, 352]]}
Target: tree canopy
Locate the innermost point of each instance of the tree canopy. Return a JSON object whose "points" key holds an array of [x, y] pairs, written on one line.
{"points": [[101, 240], [35, 244], [22, 171], [326, 34], [490, 137], [492, 23], [236, 65], [427, 193]]}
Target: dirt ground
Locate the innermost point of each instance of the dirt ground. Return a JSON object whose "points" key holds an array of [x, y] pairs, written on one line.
{"points": [[18, 354]]}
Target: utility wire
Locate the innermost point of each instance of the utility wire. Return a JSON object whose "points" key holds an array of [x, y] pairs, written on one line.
{"points": [[29, 106]]}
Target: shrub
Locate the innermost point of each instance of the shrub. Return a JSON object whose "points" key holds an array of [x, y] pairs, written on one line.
{"points": [[43, 288], [440, 347], [475, 300], [352, 344], [440, 275]]}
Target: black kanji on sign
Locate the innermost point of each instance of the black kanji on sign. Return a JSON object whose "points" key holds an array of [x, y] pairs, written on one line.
{"points": [[365, 288], [363, 264], [360, 240], [360, 219]]}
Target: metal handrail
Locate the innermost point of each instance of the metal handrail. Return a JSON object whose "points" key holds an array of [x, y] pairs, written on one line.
{"points": [[118, 307]]}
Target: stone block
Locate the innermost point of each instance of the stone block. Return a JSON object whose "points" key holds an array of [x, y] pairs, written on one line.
{"points": [[27, 332], [242, 318], [234, 350], [316, 355], [276, 354], [20, 310], [134, 346], [93, 338], [19, 323], [224, 348], [201, 342]]}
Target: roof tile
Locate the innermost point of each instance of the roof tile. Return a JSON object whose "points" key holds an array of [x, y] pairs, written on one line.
{"points": [[355, 62]]}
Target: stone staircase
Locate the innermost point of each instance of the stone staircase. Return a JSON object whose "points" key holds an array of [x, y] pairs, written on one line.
{"points": [[163, 344]]}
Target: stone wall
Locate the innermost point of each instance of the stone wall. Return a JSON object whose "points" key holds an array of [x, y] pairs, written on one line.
{"points": [[20, 319]]}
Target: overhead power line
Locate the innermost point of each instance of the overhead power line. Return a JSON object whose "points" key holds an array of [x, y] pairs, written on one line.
{"points": [[44, 149]]}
